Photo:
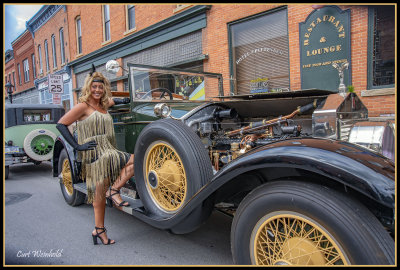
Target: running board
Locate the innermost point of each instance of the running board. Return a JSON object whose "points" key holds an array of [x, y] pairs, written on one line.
{"points": [[135, 204], [135, 209]]}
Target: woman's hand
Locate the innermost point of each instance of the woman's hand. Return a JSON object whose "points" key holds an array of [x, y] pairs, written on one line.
{"points": [[86, 146]]}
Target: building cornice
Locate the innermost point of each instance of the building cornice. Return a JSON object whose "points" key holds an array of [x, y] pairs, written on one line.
{"points": [[19, 37], [41, 17]]}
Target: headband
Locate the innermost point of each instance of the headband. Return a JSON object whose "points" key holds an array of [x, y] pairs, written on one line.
{"points": [[97, 79]]}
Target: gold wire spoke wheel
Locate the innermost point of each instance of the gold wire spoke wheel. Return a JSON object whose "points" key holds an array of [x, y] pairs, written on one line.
{"points": [[292, 239], [165, 177], [67, 177]]}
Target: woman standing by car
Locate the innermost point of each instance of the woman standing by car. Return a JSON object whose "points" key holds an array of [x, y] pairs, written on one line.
{"points": [[102, 164]]}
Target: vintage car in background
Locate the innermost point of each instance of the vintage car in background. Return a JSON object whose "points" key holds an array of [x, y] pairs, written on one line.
{"points": [[293, 169], [30, 133]]}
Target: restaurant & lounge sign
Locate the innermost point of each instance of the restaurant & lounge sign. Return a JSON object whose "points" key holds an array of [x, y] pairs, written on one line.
{"points": [[325, 40]]}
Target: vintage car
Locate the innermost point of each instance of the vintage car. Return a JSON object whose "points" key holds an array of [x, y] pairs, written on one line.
{"points": [[30, 133], [280, 164]]}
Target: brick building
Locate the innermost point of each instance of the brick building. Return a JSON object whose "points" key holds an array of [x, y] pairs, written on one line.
{"points": [[23, 72], [379, 99], [246, 43], [9, 70], [49, 28], [163, 35], [256, 47]]}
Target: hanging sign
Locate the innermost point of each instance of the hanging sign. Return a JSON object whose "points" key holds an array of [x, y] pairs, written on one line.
{"points": [[325, 40], [56, 84]]}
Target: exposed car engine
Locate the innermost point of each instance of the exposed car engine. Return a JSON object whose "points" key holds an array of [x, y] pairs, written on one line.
{"points": [[230, 129], [228, 134]]}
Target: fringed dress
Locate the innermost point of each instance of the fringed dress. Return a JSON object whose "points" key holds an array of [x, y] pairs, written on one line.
{"points": [[104, 162]]}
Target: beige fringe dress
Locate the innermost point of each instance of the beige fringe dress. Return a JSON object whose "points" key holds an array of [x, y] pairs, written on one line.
{"points": [[104, 162]]}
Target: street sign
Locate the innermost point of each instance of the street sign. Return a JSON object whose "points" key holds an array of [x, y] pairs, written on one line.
{"points": [[56, 84], [56, 98]]}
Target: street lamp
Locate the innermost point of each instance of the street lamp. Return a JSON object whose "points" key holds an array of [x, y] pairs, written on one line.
{"points": [[9, 87]]}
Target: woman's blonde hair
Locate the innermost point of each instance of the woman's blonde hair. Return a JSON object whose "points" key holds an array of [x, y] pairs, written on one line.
{"points": [[85, 93]]}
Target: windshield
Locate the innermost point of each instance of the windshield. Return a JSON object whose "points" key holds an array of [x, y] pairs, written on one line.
{"points": [[151, 83]]}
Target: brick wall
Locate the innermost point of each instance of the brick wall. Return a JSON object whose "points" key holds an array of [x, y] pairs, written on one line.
{"points": [[92, 23], [215, 44], [23, 49], [215, 37], [92, 26], [8, 72], [9, 68], [52, 27]]}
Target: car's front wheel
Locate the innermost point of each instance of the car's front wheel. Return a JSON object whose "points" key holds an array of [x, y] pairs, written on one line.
{"points": [[71, 195], [293, 223], [171, 164]]}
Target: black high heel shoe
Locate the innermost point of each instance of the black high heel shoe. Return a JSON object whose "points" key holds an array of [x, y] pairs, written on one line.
{"points": [[111, 201], [97, 235]]}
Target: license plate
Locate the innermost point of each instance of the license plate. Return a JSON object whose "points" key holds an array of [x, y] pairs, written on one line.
{"points": [[12, 149]]}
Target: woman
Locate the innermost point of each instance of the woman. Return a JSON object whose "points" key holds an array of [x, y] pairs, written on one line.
{"points": [[102, 164]]}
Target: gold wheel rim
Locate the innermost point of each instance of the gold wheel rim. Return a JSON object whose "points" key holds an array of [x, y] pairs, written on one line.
{"points": [[293, 239], [67, 178], [165, 177]]}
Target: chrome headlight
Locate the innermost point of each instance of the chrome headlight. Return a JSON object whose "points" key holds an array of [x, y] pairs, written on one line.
{"points": [[162, 110]]}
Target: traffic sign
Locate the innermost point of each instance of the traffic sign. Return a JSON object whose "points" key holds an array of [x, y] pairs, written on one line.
{"points": [[56, 84]]}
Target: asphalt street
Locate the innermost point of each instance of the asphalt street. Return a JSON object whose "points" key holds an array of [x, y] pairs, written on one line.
{"points": [[41, 229]]}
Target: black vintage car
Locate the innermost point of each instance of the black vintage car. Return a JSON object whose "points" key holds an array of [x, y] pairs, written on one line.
{"points": [[300, 185]]}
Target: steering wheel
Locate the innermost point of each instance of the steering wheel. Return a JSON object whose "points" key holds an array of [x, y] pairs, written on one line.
{"points": [[162, 90]]}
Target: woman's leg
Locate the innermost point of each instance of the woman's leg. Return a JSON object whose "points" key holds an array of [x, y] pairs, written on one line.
{"points": [[99, 207], [126, 173]]}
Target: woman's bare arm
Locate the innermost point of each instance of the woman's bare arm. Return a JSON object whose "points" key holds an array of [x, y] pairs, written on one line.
{"points": [[76, 113]]}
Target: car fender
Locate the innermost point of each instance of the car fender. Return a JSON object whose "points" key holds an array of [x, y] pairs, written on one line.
{"points": [[353, 166]]}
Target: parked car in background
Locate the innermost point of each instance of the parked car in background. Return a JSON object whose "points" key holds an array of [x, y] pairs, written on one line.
{"points": [[30, 133], [281, 164]]}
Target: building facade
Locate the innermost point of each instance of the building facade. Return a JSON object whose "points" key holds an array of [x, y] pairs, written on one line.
{"points": [[49, 28], [24, 73], [9, 71], [258, 48], [162, 35]]}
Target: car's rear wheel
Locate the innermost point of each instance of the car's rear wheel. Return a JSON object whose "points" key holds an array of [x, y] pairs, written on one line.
{"points": [[292, 223], [71, 195], [39, 143], [171, 164]]}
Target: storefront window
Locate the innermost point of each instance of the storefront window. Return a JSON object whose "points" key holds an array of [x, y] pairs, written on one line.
{"points": [[260, 53], [382, 46]]}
